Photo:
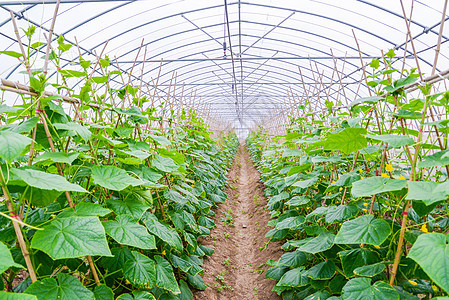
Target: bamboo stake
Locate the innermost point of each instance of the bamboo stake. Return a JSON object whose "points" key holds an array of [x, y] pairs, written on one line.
{"points": [[50, 34]]}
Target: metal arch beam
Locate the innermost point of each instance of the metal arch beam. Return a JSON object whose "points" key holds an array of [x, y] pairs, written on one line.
{"points": [[28, 2]]}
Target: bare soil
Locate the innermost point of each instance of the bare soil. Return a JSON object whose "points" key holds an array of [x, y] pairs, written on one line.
{"points": [[237, 268]]}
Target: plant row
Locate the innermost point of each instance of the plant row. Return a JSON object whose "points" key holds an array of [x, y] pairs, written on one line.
{"points": [[360, 196]]}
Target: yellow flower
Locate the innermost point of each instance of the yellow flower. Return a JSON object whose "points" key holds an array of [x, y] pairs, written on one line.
{"points": [[401, 177], [434, 288], [364, 209], [389, 168], [163, 252], [412, 282], [333, 182], [385, 175], [360, 171], [307, 207], [424, 228], [127, 281], [340, 189], [365, 204], [377, 247]]}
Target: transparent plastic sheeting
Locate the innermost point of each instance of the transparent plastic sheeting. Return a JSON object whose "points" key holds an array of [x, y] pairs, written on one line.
{"points": [[269, 40]]}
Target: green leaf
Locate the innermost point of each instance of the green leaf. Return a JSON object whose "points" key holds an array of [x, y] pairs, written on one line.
{"points": [[361, 288], [99, 79], [140, 271], [196, 281], [85, 209], [103, 292], [161, 140], [306, 183], [6, 260], [369, 100], [63, 287], [12, 53], [318, 244], [79, 129], [376, 185], [322, 271], [363, 230], [165, 279], [113, 178], [186, 293], [8, 109], [437, 159], [12, 144], [292, 152], [352, 259], [16, 296], [293, 259], [291, 223], [59, 157], [395, 141], [348, 140], [370, 270], [46, 181], [426, 191], [137, 295], [431, 252], [164, 232], [24, 127], [72, 73], [294, 278], [124, 230], [130, 206], [41, 198], [336, 214], [72, 237], [164, 164]]}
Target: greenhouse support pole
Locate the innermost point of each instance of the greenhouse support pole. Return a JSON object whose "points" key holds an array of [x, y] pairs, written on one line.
{"points": [[440, 34]]}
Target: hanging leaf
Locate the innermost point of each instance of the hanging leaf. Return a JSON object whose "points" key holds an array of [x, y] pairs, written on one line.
{"points": [[376, 185], [437, 159], [336, 214], [361, 288], [426, 191], [395, 141], [164, 164], [137, 295], [291, 223], [72, 73], [165, 279], [12, 144], [369, 100], [431, 252], [348, 140], [63, 287], [103, 292], [113, 178], [294, 278], [124, 230], [352, 259], [293, 259], [322, 271], [59, 157], [16, 296], [140, 271], [161, 140], [318, 244], [79, 129], [130, 206], [164, 232], [363, 230], [46, 181], [6, 260], [72, 237], [85, 209], [370, 270]]}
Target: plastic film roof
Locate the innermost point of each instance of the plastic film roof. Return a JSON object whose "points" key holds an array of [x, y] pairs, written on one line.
{"points": [[265, 41]]}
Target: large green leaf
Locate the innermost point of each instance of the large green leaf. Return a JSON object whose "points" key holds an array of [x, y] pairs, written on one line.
{"points": [[376, 185], [63, 287], [322, 271], [24, 127], [320, 243], [293, 259], [175, 197], [103, 292], [79, 129], [130, 206], [426, 191], [370, 270], [370, 100], [291, 223], [128, 232], [305, 183], [161, 140], [72, 237], [164, 232], [348, 140], [437, 159], [164, 164], [113, 178], [46, 181], [352, 259], [140, 271], [12, 144], [165, 279], [340, 213], [85, 209], [6, 260], [59, 157], [294, 278], [16, 296], [363, 230], [395, 141], [431, 252], [361, 288]]}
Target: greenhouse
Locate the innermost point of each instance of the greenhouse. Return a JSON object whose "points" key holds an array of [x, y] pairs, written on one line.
{"points": [[182, 149]]}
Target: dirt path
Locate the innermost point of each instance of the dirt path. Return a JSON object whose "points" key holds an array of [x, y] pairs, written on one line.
{"points": [[237, 268]]}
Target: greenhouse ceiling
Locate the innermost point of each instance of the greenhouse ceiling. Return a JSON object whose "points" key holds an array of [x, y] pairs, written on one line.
{"points": [[241, 62]]}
